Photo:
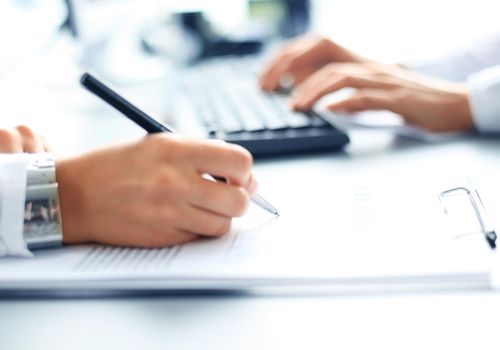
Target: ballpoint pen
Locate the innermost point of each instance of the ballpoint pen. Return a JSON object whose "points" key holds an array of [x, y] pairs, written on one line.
{"points": [[145, 121]]}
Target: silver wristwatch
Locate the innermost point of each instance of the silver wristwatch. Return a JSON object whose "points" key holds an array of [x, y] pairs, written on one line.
{"points": [[42, 214]]}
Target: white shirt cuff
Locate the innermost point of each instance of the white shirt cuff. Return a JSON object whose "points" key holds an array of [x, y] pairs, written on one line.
{"points": [[485, 99], [12, 197]]}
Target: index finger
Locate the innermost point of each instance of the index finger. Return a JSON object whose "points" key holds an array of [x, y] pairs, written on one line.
{"points": [[270, 79], [223, 160], [32, 143], [10, 141]]}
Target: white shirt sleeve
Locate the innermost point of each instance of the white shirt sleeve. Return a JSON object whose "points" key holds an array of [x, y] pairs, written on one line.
{"points": [[13, 175], [485, 99], [460, 64], [479, 66]]}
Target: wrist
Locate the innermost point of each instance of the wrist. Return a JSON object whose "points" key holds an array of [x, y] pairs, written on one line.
{"points": [[71, 199], [463, 110]]}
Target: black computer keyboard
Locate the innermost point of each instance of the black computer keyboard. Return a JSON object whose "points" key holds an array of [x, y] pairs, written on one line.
{"points": [[231, 107]]}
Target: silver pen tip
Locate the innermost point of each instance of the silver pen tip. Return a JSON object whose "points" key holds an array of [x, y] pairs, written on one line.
{"points": [[261, 202]]}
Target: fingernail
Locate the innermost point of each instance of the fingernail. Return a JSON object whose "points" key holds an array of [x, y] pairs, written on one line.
{"points": [[253, 186], [297, 106]]}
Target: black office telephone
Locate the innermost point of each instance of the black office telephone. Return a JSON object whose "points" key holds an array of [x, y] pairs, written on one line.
{"points": [[214, 44]]}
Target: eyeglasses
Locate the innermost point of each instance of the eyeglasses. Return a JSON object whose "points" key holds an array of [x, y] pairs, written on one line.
{"points": [[483, 217]]}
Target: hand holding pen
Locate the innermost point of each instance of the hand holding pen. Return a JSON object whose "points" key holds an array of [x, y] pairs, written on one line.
{"points": [[153, 126], [151, 192]]}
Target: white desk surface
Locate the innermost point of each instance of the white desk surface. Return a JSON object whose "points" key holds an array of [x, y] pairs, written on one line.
{"points": [[411, 320]]}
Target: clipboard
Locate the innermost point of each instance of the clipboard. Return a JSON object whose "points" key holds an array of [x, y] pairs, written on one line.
{"points": [[342, 234]]}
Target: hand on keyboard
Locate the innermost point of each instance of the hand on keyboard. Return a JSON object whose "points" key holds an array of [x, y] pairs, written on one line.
{"points": [[231, 107]]}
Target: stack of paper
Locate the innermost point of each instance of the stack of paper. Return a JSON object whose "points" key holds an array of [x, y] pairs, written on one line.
{"points": [[332, 231]]}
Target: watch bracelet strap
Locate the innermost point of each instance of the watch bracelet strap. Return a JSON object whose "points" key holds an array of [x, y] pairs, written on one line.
{"points": [[42, 214]]}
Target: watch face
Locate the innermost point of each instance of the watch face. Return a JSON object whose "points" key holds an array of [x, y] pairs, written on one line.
{"points": [[42, 221], [43, 210]]}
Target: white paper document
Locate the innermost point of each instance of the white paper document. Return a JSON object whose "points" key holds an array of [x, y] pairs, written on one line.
{"points": [[332, 230]]}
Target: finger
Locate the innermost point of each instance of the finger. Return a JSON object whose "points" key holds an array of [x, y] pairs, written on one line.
{"points": [[328, 72], [250, 186], [10, 141], [295, 66], [203, 222], [31, 141], [317, 79], [153, 230], [253, 185], [303, 73], [369, 99], [270, 75], [174, 237], [307, 98], [43, 141], [231, 162], [270, 80], [220, 198]]}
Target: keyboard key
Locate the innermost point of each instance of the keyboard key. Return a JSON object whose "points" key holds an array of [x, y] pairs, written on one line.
{"points": [[317, 121], [252, 122], [206, 115], [228, 121], [276, 123], [297, 120]]}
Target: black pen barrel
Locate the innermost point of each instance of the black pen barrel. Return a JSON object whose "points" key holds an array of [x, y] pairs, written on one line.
{"points": [[121, 104]]}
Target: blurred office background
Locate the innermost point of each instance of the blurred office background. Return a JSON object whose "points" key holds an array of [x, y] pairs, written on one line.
{"points": [[386, 29], [137, 44]]}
